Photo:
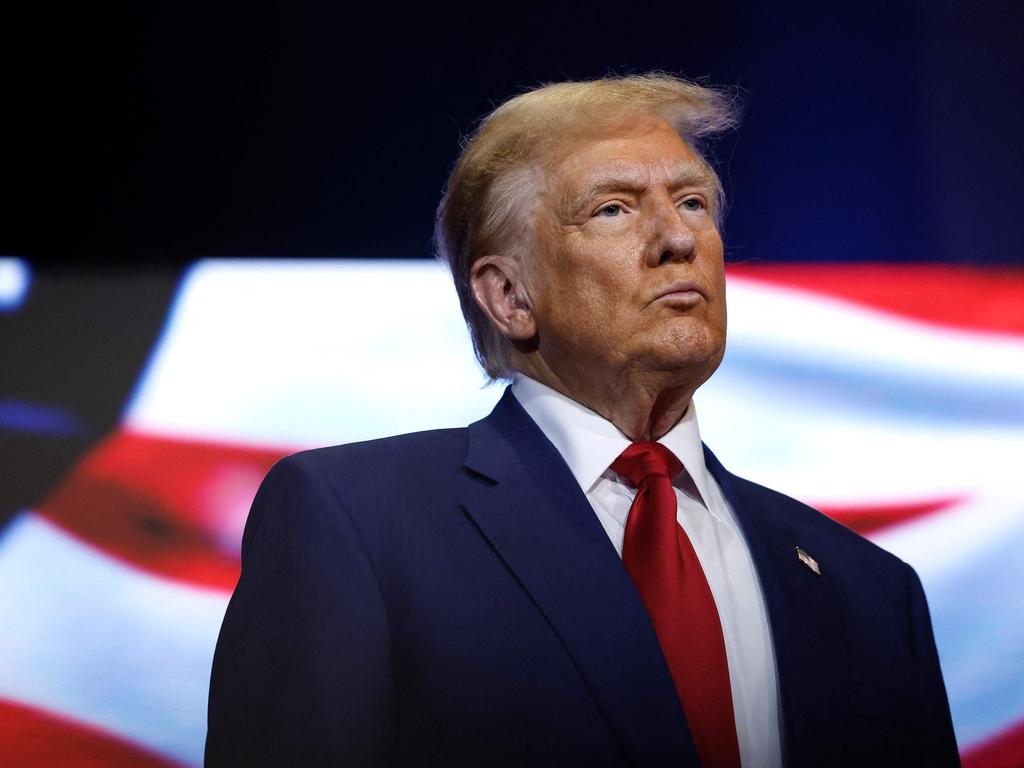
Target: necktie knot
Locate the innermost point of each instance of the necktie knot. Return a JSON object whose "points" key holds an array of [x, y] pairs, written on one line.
{"points": [[646, 459]]}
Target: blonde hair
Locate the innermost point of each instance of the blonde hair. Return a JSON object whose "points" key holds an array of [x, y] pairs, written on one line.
{"points": [[485, 204]]}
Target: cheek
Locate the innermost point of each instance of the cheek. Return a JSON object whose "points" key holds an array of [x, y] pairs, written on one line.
{"points": [[586, 312], [712, 252], [594, 286], [587, 308], [713, 268]]}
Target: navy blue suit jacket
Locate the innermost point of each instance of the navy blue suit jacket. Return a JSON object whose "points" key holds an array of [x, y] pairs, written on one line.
{"points": [[449, 598]]}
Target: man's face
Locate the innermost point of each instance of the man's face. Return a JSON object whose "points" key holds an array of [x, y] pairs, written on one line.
{"points": [[627, 273]]}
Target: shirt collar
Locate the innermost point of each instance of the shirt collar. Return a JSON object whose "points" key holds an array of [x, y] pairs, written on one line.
{"points": [[589, 443]]}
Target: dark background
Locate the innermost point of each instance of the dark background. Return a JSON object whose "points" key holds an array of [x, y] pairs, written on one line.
{"points": [[154, 134]]}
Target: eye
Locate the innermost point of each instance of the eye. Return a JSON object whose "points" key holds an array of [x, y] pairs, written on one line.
{"points": [[610, 210], [692, 204]]}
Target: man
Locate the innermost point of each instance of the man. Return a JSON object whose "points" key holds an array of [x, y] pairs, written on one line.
{"points": [[573, 580]]}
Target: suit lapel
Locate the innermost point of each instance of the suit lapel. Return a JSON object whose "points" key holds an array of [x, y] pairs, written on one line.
{"points": [[527, 504], [806, 625]]}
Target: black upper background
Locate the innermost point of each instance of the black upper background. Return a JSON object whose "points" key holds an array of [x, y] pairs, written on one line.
{"points": [[154, 134]]}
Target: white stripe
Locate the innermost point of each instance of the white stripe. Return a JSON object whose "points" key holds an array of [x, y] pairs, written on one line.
{"points": [[104, 643], [311, 353], [819, 326]]}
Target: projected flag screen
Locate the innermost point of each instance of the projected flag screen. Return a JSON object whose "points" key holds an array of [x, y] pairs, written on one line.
{"points": [[891, 398]]}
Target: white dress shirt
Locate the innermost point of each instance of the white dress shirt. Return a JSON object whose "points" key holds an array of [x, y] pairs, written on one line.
{"points": [[589, 444]]}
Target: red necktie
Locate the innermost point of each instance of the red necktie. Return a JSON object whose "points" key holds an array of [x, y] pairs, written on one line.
{"points": [[660, 559]]}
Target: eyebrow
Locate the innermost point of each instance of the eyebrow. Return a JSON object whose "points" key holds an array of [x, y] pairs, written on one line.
{"points": [[683, 175]]}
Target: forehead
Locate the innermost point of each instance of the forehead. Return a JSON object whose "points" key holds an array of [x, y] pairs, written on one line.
{"points": [[645, 150]]}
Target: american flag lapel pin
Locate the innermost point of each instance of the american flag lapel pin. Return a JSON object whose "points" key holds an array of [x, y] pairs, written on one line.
{"points": [[809, 561]]}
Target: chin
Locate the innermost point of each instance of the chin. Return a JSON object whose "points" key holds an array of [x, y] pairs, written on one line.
{"points": [[695, 351]]}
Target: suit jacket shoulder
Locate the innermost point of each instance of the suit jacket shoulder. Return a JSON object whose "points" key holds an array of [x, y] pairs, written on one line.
{"points": [[860, 622], [399, 607]]}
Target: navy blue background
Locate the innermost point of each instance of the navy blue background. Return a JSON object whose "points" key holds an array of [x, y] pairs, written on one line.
{"points": [[885, 131]]}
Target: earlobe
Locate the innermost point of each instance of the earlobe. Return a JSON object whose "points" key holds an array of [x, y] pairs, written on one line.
{"points": [[500, 292]]}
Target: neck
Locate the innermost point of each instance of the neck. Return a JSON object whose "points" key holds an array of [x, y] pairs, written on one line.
{"points": [[643, 405]]}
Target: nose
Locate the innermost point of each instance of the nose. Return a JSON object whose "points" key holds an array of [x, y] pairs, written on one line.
{"points": [[672, 239]]}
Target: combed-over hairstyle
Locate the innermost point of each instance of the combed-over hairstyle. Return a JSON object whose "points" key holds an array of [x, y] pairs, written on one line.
{"points": [[491, 192]]}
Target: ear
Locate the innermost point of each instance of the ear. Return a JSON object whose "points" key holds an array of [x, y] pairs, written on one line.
{"points": [[499, 290]]}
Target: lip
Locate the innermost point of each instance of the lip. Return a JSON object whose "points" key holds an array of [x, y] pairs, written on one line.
{"points": [[680, 291]]}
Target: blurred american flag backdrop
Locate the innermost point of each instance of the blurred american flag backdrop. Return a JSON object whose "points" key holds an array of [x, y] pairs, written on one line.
{"points": [[889, 396]]}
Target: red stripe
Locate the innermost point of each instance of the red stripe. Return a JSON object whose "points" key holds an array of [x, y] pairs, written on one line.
{"points": [[173, 507], [866, 519], [32, 737], [1004, 750], [974, 298]]}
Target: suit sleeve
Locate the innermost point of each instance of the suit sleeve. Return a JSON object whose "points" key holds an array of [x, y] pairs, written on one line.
{"points": [[936, 739], [302, 673]]}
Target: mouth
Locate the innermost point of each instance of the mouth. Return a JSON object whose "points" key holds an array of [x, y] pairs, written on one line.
{"points": [[681, 293]]}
